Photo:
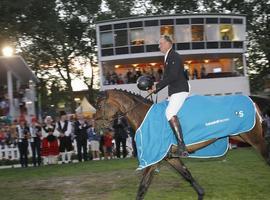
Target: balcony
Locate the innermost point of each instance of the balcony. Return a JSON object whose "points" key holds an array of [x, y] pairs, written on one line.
{"points": [[208, 87]]}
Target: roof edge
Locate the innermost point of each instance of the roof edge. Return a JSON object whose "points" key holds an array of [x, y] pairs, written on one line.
{"points": [[174, 15]]}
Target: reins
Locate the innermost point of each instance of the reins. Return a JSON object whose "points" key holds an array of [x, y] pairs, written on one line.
{"points": [[132, 108]]}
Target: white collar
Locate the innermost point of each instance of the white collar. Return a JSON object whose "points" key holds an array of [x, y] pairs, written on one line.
{"points": [[165, 58]]}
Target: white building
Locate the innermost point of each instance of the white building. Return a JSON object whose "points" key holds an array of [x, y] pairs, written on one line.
{"points": [[17, 83], [215, 42]]}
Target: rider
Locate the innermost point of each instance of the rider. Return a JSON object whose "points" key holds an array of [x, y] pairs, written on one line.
{"points": [[178, 89]]}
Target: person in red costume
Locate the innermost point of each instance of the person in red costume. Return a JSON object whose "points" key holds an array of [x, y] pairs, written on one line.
{"points": [[49, 147]]}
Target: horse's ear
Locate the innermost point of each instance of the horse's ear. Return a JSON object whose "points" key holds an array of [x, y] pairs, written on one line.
{"points": [[102, 95]]}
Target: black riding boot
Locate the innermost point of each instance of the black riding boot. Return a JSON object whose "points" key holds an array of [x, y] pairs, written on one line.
{"points": [[177, 130]]}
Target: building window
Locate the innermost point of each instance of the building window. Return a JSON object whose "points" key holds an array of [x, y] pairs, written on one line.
{"points": [[197, 20], [120, 26], [212, 45], [137, 37], [238, 21], [151, 35], [239, 32], [167, 30], [152, 48], [137, 49], [197, 45], [225, 20], [121, 50], [238, 45], [105, 28], [135, 24], [212, 32], [182, 33], [151, 23], [120, 38], [182, 21], [106, 39], [225, 45], [183, 46], [226, 32], [197, 32], [107, 52], [166, 22], [211, 20]]}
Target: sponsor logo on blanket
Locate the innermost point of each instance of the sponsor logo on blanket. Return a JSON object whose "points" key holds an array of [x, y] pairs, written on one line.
{"points": [[217, 122], [240, 113]]}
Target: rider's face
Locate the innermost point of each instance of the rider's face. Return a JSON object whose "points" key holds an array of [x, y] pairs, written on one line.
{"points": [[164, 45]]}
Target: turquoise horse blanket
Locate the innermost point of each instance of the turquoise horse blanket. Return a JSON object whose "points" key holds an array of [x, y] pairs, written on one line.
{"points": [[202, 118]]}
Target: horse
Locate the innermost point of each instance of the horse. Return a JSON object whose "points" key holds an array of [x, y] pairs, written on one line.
{"points": [[135, 107]]}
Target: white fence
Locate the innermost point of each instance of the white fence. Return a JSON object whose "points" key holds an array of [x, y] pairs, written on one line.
{"points": [[12, 152]]}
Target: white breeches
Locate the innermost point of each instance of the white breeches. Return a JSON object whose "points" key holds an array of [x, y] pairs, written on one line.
{"points": [[175, 103]]}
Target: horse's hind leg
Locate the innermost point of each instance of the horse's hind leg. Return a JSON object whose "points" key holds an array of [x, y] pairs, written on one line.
{"points": [[148, 174], [179, 166]]}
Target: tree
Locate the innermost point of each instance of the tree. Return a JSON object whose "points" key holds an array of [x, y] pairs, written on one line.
{"points": [[175, 6], [120, 8], [56, 34]]}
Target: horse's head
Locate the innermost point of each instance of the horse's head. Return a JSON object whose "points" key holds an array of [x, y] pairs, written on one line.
{"points": [[111, 102], [106, 107]]}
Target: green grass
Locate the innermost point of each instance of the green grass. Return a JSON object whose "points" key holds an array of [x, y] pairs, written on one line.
{"points": [[242, 175]]}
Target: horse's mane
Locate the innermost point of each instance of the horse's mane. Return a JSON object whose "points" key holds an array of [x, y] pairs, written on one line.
{"points": [[136, 97]]}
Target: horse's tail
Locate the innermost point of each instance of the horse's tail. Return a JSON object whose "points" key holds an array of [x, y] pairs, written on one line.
{"points": [[265, 132], [258, 112]]}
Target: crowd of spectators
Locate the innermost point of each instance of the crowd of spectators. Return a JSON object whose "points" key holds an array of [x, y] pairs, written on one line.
{"points": [[131, 76], [4, 106], [53, 140]]}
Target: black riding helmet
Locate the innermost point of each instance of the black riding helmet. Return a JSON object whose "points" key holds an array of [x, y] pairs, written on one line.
{"points": [[145, 83]]}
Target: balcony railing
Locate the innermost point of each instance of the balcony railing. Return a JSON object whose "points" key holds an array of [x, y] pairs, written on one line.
{"points": [[208, 87]]}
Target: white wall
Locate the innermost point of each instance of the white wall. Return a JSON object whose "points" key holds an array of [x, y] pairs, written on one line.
{"points": [[213, 86]]}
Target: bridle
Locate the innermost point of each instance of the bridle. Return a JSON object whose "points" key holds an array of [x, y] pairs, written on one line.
{"points": [[126, 112]]}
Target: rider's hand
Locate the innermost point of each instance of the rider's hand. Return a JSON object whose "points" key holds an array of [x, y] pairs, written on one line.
{"points": [[153, 89]]}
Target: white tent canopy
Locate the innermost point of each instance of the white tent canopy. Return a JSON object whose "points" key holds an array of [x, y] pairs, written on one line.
{"points": [[85, 107]]}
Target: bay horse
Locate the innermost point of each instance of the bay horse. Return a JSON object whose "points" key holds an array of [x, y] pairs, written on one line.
{"points": [[135, 107]]}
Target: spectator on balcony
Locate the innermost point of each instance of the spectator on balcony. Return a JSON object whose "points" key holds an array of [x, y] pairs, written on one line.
{"points": [[195, 74], [203, 72], [114, 78], [4, 106], [160, 74], [137, 74], [129, 76], [120, 79], [225, 36]]}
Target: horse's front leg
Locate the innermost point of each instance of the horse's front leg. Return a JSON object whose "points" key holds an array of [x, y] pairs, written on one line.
{"points": [[179, 166], [148, 174]]}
